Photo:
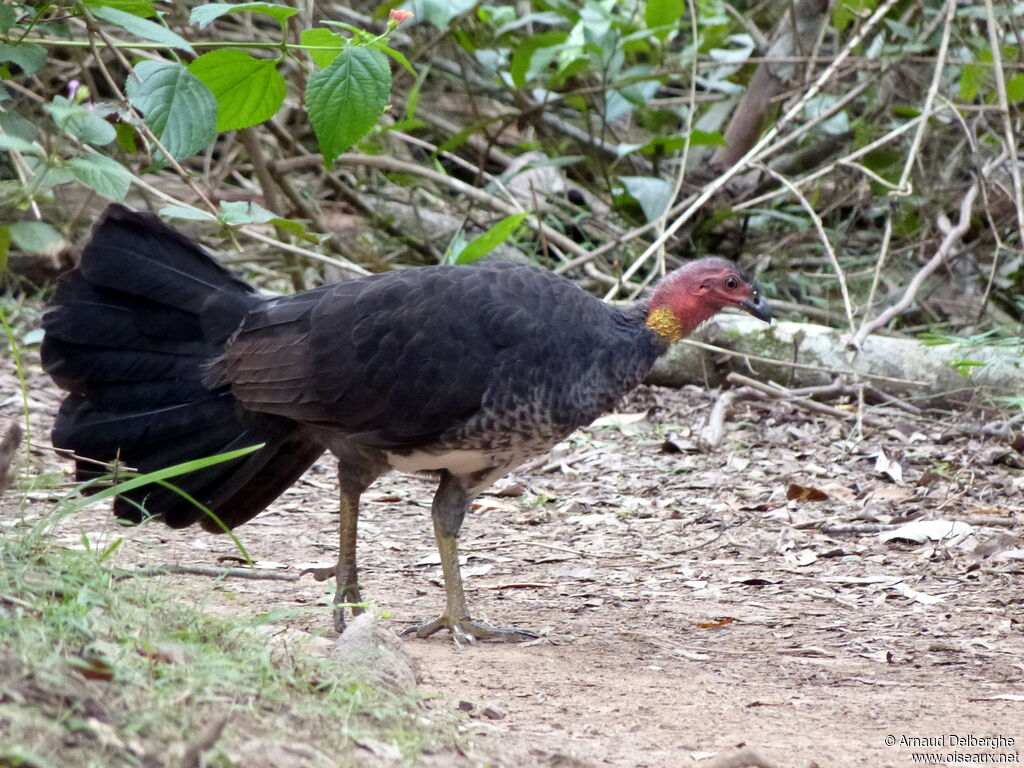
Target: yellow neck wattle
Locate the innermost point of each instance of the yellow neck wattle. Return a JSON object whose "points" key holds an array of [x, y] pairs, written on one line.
{"points": [[664, 323]]}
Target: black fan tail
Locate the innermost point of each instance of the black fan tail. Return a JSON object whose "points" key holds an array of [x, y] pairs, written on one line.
{"points": [[131, 332]]}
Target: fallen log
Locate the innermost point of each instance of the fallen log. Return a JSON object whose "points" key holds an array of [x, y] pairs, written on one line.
{"points": [[805, 355]]}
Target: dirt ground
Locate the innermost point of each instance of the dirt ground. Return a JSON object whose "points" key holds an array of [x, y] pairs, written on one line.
{"points": [[687, 606]]}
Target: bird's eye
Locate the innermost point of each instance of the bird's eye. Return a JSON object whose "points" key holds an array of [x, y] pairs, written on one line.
{"points": [[730, 283]]}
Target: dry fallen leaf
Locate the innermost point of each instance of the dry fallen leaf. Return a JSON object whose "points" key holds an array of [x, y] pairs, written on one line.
{"points": [[921, 531], [891, 493], [915, 595], [890, 467], [802, 493], [618, 419], [93, 667], [721, 621]]}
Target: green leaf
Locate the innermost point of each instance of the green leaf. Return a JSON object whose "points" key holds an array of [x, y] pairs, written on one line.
{"points": [[103, 174], [29, 56], [178, 108], [1015, 88], [126, 138], [534, 54], [650, 192], [322, 38], [848, 10], [706, 139], [345, 100], [147, 30], [662, 13], [438, 12], [396, 55], [189, 214], [712, 13], [203, 15], [10, 143], [36, 237], [971, 79], [5, 247], [81, 120], [92, 129], [43, 175], [160, 474], [248, 90], [8, 16], [491, 239], [241, 212], [235, 214], [14, 124], [298, 229], [141, 8]]}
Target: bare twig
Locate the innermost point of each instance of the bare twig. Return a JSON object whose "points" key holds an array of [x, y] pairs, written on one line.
{"points": [[929, 102], [204, 570], [1010, 136], [794, 34], [881, 141], [883, 254], [97, 30], [841, 528], [822, 234], [339, 262], [944, 251], [781, 393], [759, 148], [474, 193], [688, 130], [714, 430]]}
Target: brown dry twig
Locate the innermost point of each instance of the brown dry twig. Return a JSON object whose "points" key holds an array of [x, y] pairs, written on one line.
{"points": [[771, 141], [781, 393], [944, 251], [714, 430], [474, 193], [217, 573]]}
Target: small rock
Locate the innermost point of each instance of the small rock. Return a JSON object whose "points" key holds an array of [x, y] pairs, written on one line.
{"points": [[466, 706], [375, 654], [496, 710]]}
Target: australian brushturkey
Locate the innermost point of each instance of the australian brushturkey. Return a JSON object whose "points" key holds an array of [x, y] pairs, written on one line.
{"points": [[465, 372]]}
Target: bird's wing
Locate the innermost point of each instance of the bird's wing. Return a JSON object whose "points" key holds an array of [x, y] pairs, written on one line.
{"points": [[398, 358]]}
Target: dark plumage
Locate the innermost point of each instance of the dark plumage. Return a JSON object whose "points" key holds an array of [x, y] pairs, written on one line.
{"points": [[466, 372]]}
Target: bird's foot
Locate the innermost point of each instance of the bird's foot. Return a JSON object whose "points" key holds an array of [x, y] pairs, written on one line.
{"points": [[468, 631], [321, 574], [345, 595]]}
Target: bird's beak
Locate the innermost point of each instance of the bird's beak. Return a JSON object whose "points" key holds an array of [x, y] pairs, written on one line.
{"points": [[757, 306]]}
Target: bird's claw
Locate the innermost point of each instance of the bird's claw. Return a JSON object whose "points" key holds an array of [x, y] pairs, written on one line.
{"points": [[321, 574], [467, 631], [345, 595]]}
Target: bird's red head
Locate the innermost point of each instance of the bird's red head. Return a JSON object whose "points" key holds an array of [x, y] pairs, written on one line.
{"points": [[699, 290]]}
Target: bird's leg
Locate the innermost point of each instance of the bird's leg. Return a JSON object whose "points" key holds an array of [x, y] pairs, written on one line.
{"points": [[345, 572], [448, 511]]}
